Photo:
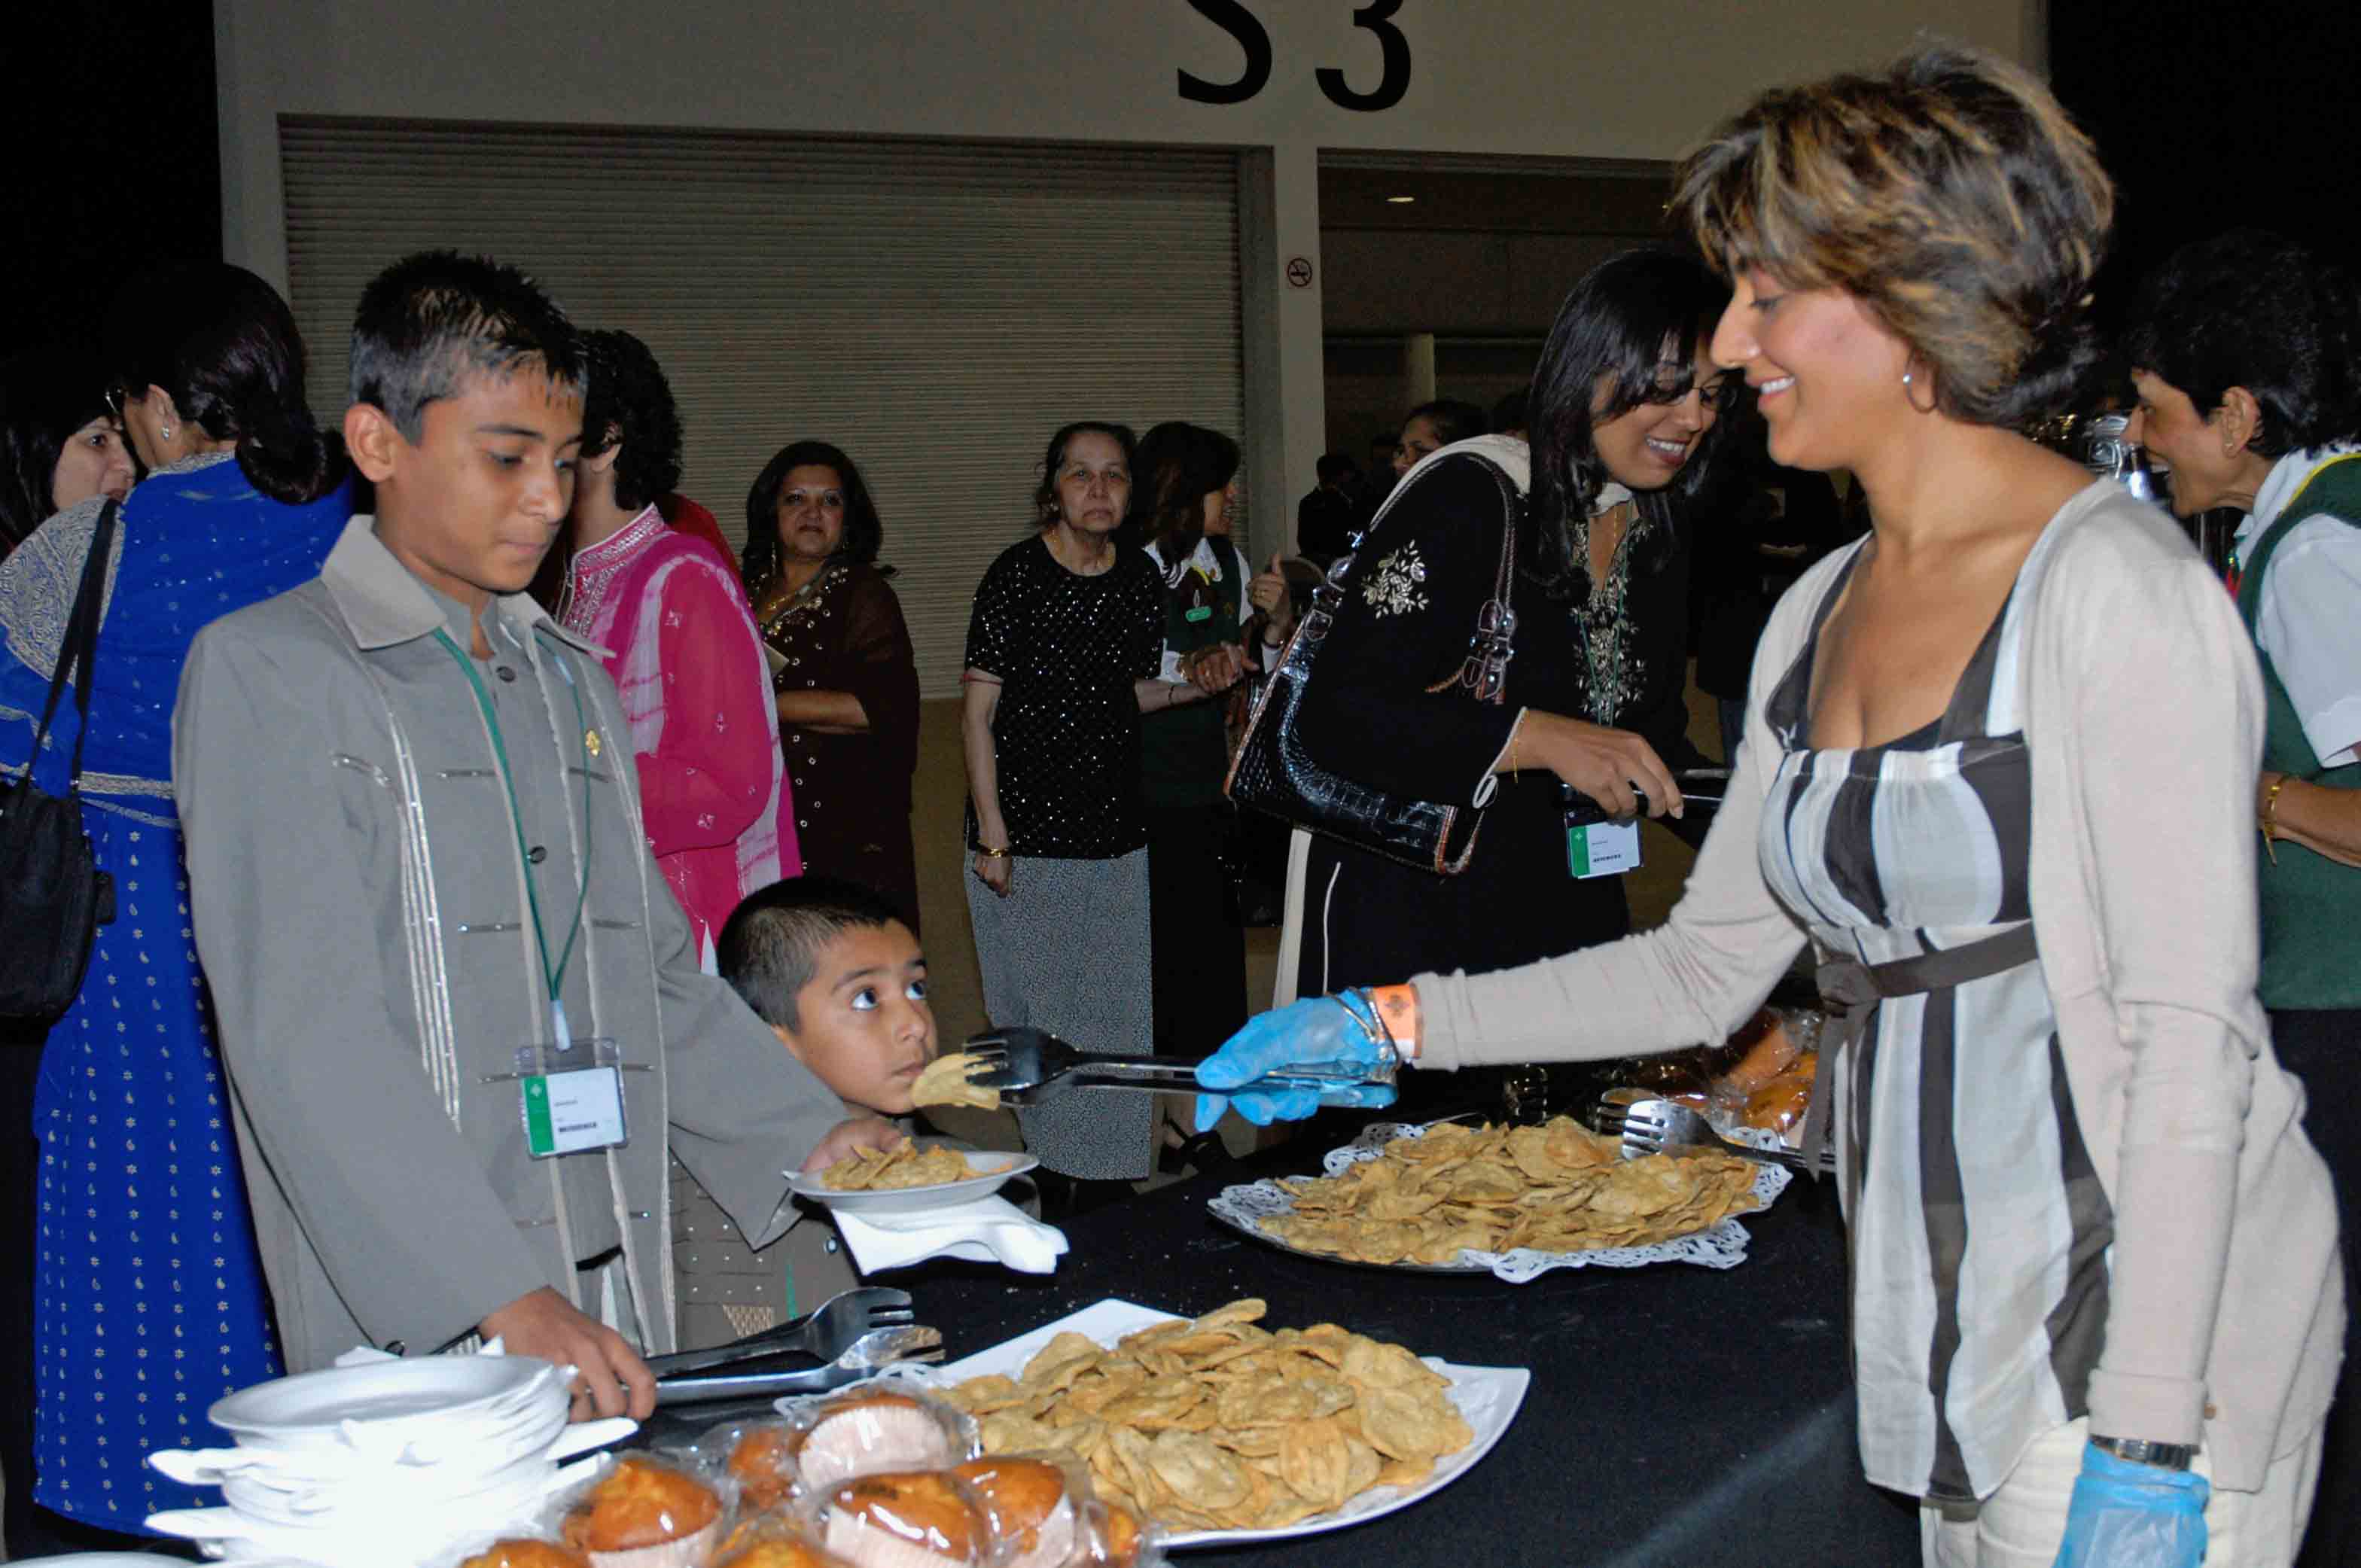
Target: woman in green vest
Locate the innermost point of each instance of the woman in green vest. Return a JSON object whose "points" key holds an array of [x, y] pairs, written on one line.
{"points": [[1182, 488], [2246, 352]]}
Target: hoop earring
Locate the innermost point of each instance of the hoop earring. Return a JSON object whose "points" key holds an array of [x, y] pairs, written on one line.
{"points": [[1909, 380]]}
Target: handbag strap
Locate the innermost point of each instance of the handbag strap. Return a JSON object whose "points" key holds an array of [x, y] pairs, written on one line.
{"points": [[78, 651], [1486, 672]]}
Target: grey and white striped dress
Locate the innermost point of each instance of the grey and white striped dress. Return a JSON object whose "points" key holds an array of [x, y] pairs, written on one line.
{"points": [[1980, 1238]]}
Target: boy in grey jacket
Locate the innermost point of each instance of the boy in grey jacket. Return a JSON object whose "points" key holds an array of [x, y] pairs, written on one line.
{"points": [[462, 1018]]}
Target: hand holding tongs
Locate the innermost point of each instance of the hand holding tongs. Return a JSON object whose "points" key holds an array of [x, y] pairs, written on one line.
{"points": [[1028, 1066]]}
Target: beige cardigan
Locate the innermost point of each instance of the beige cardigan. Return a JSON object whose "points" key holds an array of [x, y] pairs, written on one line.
{"points": [[2144, 717]]}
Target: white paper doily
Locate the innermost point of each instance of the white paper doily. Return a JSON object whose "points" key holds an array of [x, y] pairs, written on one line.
{"points": [[1720, 1245]]}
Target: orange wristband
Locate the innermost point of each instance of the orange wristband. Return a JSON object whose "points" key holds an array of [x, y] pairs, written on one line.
{"points": [[1397, 1008]]}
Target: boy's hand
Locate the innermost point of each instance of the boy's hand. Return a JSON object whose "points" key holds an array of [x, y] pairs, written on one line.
{"points": [[610, 1378], [861, 1133]]}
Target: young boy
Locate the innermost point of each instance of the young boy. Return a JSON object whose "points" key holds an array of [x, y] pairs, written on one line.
{"points": [[842, 982], [461, 1015]]}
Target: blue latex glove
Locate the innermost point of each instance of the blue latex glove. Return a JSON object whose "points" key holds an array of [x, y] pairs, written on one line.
{"points": [[2134, 1516], [1324, 1030]]}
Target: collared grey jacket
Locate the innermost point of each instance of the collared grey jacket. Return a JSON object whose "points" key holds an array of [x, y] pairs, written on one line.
{"points": [[360, 899]]}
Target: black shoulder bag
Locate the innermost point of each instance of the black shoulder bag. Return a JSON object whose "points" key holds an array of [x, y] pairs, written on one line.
{"points": [[53, 897], [1275, 772]]}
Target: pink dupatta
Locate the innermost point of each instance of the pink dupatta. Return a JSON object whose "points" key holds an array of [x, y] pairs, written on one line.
{"points": [[683, 654]]}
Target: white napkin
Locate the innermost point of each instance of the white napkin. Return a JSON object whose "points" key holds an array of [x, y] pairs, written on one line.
{"points": [[990, 1230]]}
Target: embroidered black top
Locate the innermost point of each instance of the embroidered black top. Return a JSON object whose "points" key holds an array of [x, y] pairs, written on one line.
{"points": [[1066, 732], [1410, 608]]}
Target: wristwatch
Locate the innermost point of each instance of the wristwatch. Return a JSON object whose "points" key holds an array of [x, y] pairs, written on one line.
{"points": [[2139, 1451]]}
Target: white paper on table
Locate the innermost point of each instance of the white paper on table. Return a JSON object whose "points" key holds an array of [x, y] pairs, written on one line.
{"points": [[987, 1230]]}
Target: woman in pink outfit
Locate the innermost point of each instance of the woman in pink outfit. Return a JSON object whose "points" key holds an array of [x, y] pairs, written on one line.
{"points": [[681, 647]]}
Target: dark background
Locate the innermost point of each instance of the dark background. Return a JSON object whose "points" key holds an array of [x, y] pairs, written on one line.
{"points": [[2209, 117]]}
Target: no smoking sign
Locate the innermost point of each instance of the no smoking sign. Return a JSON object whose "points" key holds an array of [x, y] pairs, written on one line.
{"points": [[1298, 272]]}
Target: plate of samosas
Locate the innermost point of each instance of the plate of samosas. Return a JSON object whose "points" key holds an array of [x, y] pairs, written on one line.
{"points": [[1510, 1201], [1225, 1430], [907, 1177]]}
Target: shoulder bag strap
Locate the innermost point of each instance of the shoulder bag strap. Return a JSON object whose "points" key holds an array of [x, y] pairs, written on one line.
{"points": [[1486, 672], [78, 651]]}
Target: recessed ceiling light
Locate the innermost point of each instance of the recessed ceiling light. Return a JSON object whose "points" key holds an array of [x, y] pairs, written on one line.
{"points": [[1401, 201]]}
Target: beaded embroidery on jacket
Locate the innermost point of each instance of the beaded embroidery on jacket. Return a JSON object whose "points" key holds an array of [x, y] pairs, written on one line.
{"points": [[1603, 625]]}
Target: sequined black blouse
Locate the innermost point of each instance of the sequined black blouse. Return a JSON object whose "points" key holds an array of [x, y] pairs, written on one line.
{"points": [[1066, 731]]}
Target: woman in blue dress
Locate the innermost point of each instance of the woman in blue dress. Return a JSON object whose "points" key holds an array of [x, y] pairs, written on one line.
{"points": [[149, 1299]]}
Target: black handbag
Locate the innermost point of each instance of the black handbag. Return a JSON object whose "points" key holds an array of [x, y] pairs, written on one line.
{"points": [[1274, 773], [53, 897]]}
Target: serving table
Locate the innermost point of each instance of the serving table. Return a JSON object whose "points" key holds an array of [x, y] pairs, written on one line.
{"points": [[1677, 1414]]}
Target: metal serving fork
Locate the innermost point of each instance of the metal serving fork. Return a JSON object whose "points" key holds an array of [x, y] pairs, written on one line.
{"points": [[1665, 1126], [824, 1335], [1028, 1065], [869, 1353]]}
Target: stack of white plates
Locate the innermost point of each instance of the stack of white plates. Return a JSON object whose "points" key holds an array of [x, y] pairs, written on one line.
{"points": [[390, 1462]]}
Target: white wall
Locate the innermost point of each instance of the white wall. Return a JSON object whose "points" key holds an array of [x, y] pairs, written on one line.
{"points": [[1561, 77]]}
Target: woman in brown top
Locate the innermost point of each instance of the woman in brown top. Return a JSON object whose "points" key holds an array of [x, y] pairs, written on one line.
{"points": [[841, 662]]}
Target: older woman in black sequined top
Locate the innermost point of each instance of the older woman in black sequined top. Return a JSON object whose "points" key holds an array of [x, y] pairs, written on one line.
{"points": [[841, 662]]}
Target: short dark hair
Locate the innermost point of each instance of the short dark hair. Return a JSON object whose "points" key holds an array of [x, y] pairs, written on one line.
{"points": [[864, 533], [1950, 194], [223, 344], [1617, 323], [1508, 414], [1176, 466], [1336, 465], [428, 320], [1045, 493], [629, 403], [46, 395], [1452, 419], [2255, 310], [769, 945]]}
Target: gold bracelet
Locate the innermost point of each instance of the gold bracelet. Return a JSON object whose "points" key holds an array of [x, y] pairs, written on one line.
{"points": [[992, 854], [2270, 821]]}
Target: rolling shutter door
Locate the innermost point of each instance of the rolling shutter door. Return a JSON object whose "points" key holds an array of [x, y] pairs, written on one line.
{"points": [[937, 309]]}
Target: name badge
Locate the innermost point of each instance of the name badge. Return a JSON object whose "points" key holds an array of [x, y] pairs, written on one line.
{"points": [[1595, 844], [568, 1112], [1203, 612]]}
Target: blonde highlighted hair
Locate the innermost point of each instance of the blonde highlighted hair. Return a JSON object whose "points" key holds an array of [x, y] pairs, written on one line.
{"points": [[1951, 195]]}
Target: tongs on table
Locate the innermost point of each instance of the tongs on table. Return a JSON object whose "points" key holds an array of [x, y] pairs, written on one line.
{"points": [[872, 1353], [1666, 1126], [1028, 1065]]}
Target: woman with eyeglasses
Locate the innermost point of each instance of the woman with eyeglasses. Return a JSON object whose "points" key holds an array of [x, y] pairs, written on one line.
{"points": [[1624, 413], [152, 1301]]}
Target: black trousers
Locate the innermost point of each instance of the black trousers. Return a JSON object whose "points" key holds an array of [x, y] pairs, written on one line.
{"points": [[2323, 1048], [1199, 958]]}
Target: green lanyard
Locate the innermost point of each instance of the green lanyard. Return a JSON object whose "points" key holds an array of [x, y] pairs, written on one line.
{"points": [[553, 971]]}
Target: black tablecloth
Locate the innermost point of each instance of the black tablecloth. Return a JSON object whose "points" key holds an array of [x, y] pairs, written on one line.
{"points": [[1677, 1414]]}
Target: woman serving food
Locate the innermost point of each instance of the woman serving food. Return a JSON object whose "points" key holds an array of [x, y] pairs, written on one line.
{"points": [[2093, 1279]]}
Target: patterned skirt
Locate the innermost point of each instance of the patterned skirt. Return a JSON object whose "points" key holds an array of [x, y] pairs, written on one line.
{"points": [[1068, 951]]}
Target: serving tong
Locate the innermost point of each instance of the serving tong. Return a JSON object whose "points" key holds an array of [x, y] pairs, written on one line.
{"points": [[871, 1353], [823, 1335], [1647, 1126], [1027, 1066], [853, 1335]]}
